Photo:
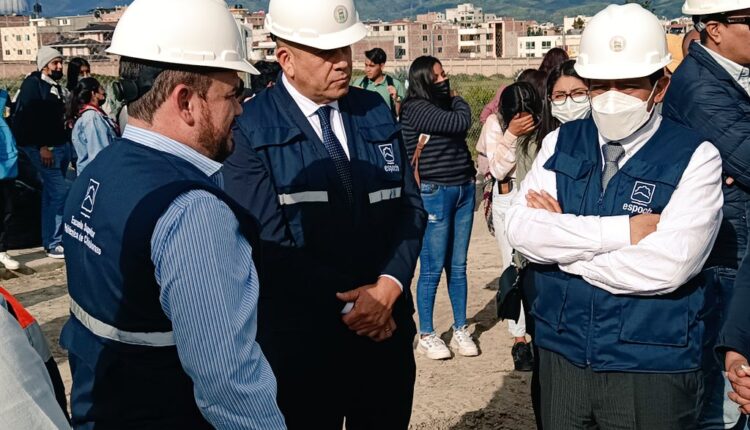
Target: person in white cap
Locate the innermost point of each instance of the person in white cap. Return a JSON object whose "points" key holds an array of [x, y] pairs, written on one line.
{"points": [[618, 215], [710, 93], [323, 168], [39, 128], [160, 272]]}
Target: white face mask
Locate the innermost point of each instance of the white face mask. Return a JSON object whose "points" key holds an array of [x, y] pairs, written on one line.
{"points": [[618, 115], [571, 111]]}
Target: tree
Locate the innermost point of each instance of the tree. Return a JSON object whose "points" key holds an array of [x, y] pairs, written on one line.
{"points": [[578, 24], [646, 4]]}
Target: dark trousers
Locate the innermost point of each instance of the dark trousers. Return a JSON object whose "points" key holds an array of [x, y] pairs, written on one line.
{"points": [[579, 398], [328, 377], [6, 210]]}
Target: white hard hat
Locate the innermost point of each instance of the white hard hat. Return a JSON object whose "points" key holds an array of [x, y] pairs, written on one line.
{"points": [[708, 7], [187, 32], [622, 42], [322, 24]]}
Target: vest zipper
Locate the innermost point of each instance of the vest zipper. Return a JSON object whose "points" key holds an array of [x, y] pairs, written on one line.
{"points": [[588, 336]]}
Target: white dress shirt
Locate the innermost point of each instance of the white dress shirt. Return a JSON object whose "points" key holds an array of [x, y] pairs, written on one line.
{"points": [[738, 72], [598, 248], [309, 109]]}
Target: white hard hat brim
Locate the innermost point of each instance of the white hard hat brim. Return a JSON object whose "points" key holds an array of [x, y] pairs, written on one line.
{"points": [[606, 72], [243, 66], [340, 39]]}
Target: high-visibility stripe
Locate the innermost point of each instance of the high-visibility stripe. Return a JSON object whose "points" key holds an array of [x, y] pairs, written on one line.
{"points": [[382, 195], [22, 315], [304, 197], [102, 329]]}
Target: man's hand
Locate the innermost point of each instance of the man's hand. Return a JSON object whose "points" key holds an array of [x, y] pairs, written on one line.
{"points": [[48, 159], [738, 373], [521, 124], [373, 305], [542, 200], [641, 226], [393, 92], [729, 181], [384, 333]]}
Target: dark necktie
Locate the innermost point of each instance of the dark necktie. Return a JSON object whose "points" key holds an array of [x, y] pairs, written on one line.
{"points": [[613, 153], [335, 150]]}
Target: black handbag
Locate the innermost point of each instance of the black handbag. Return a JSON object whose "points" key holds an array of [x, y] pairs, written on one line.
{"points": [[509, 296]]}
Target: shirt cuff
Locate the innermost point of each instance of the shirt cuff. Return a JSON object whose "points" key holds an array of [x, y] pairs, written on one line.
{"points": [[400, 285], [511, 139], [615, 232]]}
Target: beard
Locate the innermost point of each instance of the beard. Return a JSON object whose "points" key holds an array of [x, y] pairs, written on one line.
{"points": [[217, 143]]}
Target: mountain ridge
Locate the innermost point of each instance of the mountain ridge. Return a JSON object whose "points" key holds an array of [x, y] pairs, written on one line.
{"points": [[540, 10]]}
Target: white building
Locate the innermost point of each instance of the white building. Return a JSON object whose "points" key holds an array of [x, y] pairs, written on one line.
{"points": [[465, 13], [537, 46], [20, 43], [477, 41]]}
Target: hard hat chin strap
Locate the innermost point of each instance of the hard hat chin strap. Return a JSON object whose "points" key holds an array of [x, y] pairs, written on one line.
{"points": [[130, 90]]}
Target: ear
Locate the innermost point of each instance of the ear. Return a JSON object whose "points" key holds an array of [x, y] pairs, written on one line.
{"points": [[285, 57], [662, 85], [183, 100], [714, 30]]}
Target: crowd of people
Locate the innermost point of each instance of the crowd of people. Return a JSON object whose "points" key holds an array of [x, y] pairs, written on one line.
{"points": [[240, 252]]}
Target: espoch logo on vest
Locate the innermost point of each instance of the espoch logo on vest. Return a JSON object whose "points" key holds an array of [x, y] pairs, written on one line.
{"points": [[390, 157], [88, 202], [643, 193]]}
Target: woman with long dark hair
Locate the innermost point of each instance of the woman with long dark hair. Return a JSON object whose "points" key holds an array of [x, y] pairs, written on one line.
{"points": [[93, 130], [552, 60], [78, 68], [447, 173]]}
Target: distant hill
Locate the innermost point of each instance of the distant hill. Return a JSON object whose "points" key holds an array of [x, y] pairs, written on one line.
{"points": [[542, 10]]}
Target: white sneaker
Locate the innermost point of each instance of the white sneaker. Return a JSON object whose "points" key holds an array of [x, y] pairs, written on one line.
{"points": [[57, 252], [9, 262], [433, 347], [463, 343]]}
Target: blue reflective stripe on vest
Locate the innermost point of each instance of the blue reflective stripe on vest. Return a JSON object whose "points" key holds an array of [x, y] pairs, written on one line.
{"points": [[587, 325]]}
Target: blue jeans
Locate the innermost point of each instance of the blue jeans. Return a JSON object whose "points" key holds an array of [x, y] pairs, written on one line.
{"points": [[718, 412], [450, 212], [54, 191]]}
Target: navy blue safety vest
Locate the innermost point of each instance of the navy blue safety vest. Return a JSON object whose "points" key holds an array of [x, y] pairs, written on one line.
{"points": [[306, 210], [587, 325], [126, 371]]}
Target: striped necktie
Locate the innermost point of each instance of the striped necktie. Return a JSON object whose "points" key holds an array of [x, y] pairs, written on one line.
{"points": [[613, 153], [335, 150]]}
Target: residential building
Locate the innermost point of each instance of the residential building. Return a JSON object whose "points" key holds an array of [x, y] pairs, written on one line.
{"points": [[61, 28], [19, 43], [465, 13], [431, 17], [436, 39], [392, 37], [112, 15], [537, 46]]}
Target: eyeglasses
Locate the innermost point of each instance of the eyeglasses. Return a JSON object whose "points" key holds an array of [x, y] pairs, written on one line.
{"points": [[578, 96], [738, 20]]}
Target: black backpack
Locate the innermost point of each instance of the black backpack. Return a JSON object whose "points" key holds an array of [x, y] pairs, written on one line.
{"points": [[389, 82]]}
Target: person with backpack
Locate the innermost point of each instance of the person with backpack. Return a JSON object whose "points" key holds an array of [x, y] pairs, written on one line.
{"points": [[392, 90], [93, 130], [39, 129]]}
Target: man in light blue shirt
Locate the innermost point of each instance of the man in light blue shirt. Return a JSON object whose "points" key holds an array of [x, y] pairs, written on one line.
{"points": [[163, 288]]}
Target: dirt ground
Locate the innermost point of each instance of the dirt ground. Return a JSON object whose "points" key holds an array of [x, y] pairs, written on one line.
{"points": [[479, 393]]}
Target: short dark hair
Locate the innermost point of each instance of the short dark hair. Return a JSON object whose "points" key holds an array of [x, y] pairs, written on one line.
{"points": [[654, 77], [552, 59], [165, 82], [376, 55]]}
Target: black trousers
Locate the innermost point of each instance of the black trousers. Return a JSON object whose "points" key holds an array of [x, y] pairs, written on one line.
{"points": [[328, 376], [579, 398], [6, 210]]}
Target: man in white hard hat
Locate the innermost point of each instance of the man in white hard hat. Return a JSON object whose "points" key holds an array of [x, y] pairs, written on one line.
{"points": [[159, 261], [710, 93], [619, 213], [323, 168]]}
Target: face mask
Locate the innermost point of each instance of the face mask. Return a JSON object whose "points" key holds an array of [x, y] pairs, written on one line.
{"points": [[56, 75], [618, 115], [442, 90], [101, 102], [571, 111]]}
